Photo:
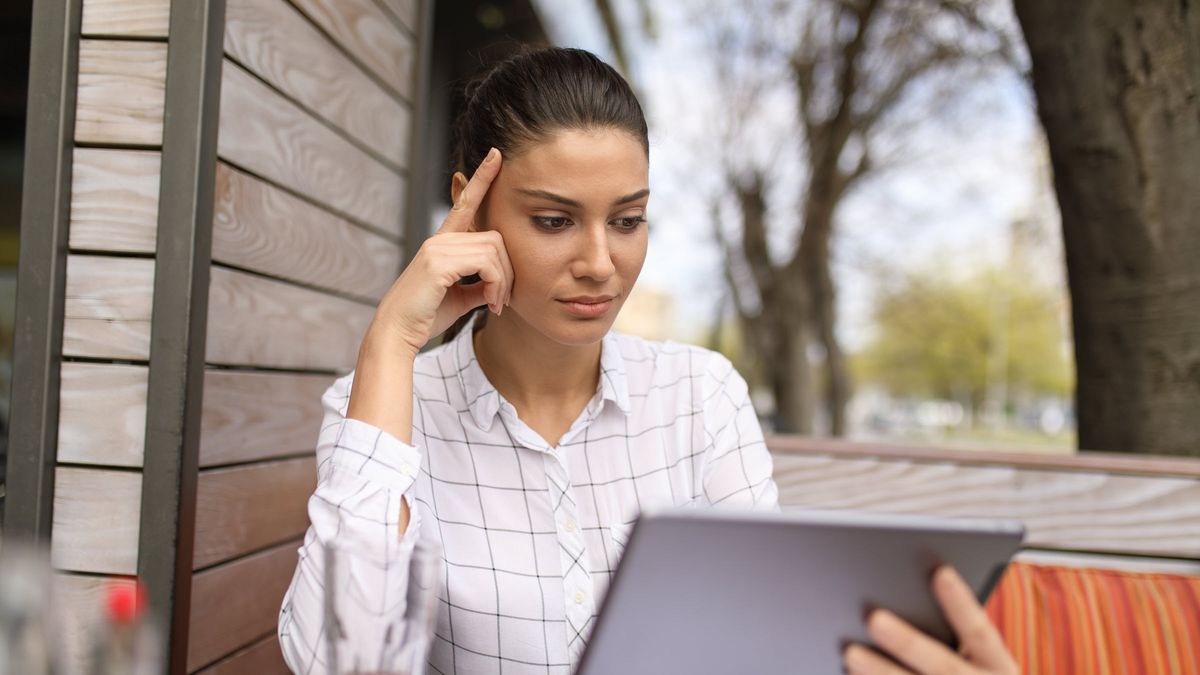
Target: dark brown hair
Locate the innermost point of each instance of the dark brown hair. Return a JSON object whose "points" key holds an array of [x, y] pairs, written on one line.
{"points": [[525, 98]]}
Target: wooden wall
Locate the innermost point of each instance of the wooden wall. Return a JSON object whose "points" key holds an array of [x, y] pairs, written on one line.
{"points": [[316, 119]]}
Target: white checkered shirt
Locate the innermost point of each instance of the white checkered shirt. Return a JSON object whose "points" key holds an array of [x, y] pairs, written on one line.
{"points": [[530, 533]]}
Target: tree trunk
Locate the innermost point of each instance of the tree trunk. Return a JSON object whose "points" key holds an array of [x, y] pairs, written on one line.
{"points": [[792, 380], [1118, 89]]}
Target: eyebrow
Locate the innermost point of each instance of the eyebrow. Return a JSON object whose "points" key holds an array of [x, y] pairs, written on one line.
{"points": [[571, 202]]}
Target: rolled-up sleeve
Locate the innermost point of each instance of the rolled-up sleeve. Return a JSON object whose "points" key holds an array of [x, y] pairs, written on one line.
{"points": [[362, 474], [737, 468]]}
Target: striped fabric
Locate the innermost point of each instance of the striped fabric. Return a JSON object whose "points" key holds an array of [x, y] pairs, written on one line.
{"points": [[1097, 621]]}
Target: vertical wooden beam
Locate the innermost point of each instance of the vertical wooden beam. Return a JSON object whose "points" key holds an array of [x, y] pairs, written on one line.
{"points": [[416, 225], [180, 310], [42, 268]]}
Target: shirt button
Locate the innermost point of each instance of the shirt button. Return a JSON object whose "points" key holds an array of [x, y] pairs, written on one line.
{"points": [[569, 525], [579, 597]]}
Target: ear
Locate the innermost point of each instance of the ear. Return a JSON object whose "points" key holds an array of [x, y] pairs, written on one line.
{"points": [[458, 183]]}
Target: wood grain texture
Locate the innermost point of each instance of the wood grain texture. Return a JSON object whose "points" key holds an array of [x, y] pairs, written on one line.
{"points": [[261, 658], [272, 137], [82, 600], [1108, 462], [276, 42], [405, 11], [121, 92], [246, 508], [251, 416], [114, 199], [126, 18], [252, 320], [96, 520], [236, 604], [365, 31], [107, 307], [102, 414], [246, 416], [262, 322], [1071, 510], [260, 227]]}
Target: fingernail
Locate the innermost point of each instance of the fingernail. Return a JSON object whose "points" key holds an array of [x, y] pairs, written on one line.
{"points": [[491, 155]]}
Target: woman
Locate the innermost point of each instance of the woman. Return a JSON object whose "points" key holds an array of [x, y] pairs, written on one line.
{"points": [[527, 442]]}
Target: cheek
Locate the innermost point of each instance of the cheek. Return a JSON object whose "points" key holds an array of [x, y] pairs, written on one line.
{"points": [[629, 253], [534, 267]]}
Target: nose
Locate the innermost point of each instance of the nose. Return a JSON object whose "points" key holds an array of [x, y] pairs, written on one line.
{"points": [[594, 256]]}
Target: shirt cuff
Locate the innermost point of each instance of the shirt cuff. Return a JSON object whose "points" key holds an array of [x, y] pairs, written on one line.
{"points": [[367, 451]]}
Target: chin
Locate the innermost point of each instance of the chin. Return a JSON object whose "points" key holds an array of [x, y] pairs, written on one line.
{"points": [[573, 331]]}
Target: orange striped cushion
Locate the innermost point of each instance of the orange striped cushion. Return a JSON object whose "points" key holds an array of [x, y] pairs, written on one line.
{"points": [[1097, 621]]}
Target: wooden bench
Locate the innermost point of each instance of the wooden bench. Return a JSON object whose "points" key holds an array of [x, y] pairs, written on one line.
{"points": [[1109, 578]]}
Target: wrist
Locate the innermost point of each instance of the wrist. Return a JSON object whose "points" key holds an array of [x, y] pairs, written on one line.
{"points": [[382, 342]]}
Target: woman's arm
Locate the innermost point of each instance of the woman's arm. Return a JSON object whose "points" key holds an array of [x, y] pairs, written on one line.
{"points": [[737, 465], [383, 392], [363, 475]]}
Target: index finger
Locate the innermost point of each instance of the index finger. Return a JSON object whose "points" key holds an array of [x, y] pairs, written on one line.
{"points": [[977, 635], [463, 212]]}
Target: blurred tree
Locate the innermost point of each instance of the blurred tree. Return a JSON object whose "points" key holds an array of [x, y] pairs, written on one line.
{"points": [[849, 63], [958, 339], [1118, 91]]}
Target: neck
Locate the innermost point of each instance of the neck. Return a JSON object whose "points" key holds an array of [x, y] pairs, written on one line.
{"points": [[532, 371]]}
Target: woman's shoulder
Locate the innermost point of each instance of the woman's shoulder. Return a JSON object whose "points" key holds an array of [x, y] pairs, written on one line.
{"points": [[666, 360]]}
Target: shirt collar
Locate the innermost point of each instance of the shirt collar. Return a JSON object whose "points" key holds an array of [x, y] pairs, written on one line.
{"points": [[483, 401]]}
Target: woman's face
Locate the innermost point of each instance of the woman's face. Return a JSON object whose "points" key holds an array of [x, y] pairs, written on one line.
{"points": [[572, 213]]}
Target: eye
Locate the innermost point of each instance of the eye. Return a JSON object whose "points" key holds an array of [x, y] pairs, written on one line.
{"points": [[552, 223], [630, 223]]}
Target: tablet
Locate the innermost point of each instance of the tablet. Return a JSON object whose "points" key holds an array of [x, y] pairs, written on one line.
{"points": [[709, 592]]}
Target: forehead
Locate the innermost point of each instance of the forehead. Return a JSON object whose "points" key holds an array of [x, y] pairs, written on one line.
{"points": [[581, 161]]}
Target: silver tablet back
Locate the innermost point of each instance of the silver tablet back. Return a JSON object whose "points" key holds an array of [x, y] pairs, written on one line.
{"points": [[707, 592]]}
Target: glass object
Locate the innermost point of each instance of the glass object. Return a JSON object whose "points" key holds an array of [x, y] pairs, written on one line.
{"points": [[389, 638]]}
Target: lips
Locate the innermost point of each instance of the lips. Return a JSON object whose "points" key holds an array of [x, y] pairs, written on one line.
{"points": [[587, 306], [588, 299]]}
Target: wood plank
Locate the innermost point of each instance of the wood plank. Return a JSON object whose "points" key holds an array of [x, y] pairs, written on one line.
{"points": [[1109, 462], [107, 307], [260, 227], [262, 322], [252, 321], [81, 600], [252, 416], [1127, 563], [276, 42], [114, 199], [272, 137], [365, 30], [405, 11], [246, 416], [102, 414], [126, 18], [121, 91], [237, 603], [261, 658], [96, 520], [245, 508], [1080, 511]]}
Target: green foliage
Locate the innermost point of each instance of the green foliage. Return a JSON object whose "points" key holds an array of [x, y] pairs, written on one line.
{"points": [[954, 338]]}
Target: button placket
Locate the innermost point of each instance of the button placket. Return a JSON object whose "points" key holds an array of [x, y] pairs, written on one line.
{"points": [[576, 575]]}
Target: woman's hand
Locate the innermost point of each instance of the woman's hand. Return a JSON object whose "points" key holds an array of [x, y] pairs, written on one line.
{"points": [[982, 650], [427, 297]]}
